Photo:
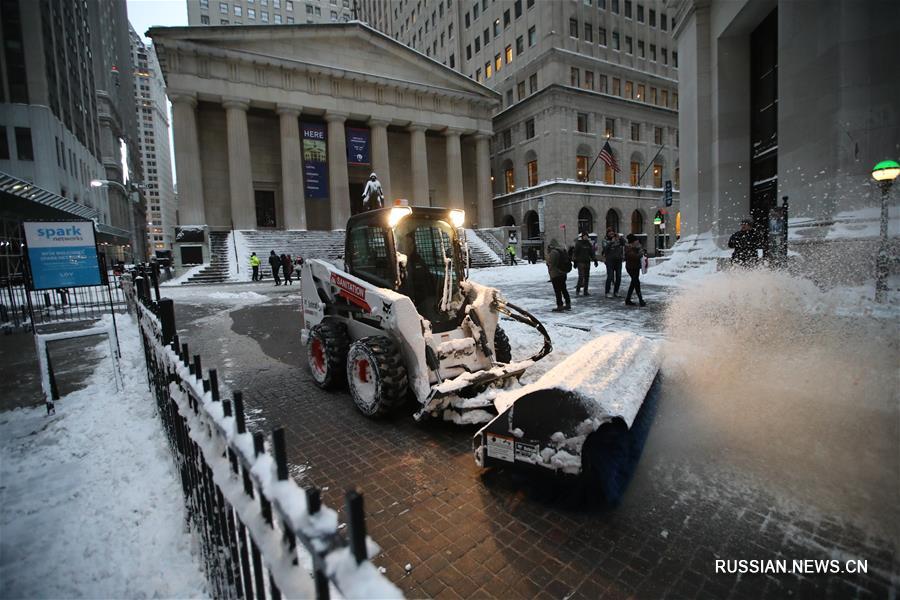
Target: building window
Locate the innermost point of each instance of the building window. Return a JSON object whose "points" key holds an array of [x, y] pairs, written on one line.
{"points": [[507, 139], [529, 128], [264, 16], [251, 13], [506, 18], [475, 12], [617, 86], [452, 61], [588, 80], [486, 37], [635, 132], [602, 83], [520, 90], [675, 59], [601, 4], [289, 5], [204, 19], [204, 3], [509, 97], [627, 9], [223, 8], [277, 17], [517, 8], [641, 49], [520, 45], [615, 40], [652, 18], [477, 44], [581, 124], [532, 83], [610, 128], [601, 36], [223, 21], [581, 167], [589, 33], [615, 6], [609, 175], [238, 11], [575, 77], [276, 3], [468, 21], [665, 55], [496, 27], [653, 52], [675, 100], [488, 70], [478, 75], [664, 98], [640, 13], [532, 36], [509, 180], [24, 149], [662, 21], [652, 98], [450, 31], [333, 16], [629, 48], [498, 62], [573, 28], [641, 92], [509, 54], [469, 52], [657, 175], [532, 173], [635, 172]]}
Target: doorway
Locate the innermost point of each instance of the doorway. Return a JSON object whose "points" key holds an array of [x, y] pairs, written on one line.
{"points": [[265, 208], [764, 122]]}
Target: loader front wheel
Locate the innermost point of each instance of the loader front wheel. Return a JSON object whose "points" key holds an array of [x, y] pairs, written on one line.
{"points": [[326, 353], [502, 347], [376, 375]]}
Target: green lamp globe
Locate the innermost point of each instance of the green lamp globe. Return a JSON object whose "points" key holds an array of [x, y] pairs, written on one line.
{"points": [[886, 170]]}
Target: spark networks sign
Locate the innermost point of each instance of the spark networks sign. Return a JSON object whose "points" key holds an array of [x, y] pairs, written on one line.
{"points": [[62, 254], [315, 161]]}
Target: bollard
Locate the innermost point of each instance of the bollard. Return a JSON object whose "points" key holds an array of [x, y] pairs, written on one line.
{"points": [[198, 371], [357, 524], [184, 354], [167, 318], [239, 412], [280, 453], [313, 500]]}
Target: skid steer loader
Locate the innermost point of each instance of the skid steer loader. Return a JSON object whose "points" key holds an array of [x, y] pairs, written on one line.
{"points": [[401, 319]]}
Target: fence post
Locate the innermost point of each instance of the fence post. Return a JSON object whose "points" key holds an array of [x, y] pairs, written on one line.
{"points": [[239, 412], [214, 384], [198, 371], [357, 519], [280, 453], [167, 317]]}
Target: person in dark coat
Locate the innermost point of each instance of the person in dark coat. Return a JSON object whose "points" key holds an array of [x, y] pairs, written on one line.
{"points": [[613, 254], [287, 268], [634, 255], [532, 255], [584, 255], [745, 243], [558, 266], [275, 263]]}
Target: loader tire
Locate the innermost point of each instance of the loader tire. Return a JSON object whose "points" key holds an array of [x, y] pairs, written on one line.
{"points": [[326, 353], [502, 347], [376, 375]]}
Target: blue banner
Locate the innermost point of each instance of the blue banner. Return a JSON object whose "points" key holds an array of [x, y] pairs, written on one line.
{"points": [[357, 146], [315, 160], [62, 254]]}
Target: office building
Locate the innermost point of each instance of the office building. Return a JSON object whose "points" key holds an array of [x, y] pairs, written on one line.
{"points": [[268, 12]]}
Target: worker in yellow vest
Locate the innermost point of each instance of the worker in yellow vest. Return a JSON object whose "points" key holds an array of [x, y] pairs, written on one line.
{"points": [[254, 264]]}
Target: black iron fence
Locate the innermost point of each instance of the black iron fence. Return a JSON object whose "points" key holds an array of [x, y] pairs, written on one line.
{"points": [[262, 535], [18, 303]]}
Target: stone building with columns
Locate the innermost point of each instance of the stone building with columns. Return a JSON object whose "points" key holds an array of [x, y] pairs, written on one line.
{"points": [[249, 101]]}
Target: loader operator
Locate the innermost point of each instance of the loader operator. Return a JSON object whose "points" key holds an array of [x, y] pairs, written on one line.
{"points": [[416, 280], [373, 195]]}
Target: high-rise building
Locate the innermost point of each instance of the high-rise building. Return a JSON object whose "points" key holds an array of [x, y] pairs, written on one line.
{"points": [[572, 76], [153, 141], [65, 81], [269, 12]]}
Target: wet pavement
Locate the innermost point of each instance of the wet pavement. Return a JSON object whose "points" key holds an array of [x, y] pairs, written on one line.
{"points": [[695, 497]]}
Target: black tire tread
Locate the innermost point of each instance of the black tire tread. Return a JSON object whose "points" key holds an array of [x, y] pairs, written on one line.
{"points": [[394, 382], [334, 334]]}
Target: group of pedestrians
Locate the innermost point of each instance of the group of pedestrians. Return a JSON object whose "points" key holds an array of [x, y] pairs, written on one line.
{"points": [[616, 250], [280, 263]]}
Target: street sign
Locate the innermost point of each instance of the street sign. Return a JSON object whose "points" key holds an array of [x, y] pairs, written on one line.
{"points": [[667, 192], [62, 254]]}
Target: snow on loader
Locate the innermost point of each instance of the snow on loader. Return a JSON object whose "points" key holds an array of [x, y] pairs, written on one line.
{"points": [[401, 319]]}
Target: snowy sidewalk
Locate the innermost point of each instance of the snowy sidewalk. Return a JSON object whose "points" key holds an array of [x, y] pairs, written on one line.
{"points": [[91, 503]]}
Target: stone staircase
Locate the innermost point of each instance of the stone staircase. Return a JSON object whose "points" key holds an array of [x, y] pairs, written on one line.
{"points": [[217, 269], [308, 244], [481, 252]]}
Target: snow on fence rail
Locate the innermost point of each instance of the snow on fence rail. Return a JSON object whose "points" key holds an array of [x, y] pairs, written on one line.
{"points": [[246, 510]]}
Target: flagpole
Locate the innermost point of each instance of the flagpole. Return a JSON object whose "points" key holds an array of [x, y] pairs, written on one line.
{"points": [[650, 163], [587, 177]]}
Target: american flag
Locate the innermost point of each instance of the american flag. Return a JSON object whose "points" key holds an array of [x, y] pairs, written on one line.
{"points": [[606, 155]]}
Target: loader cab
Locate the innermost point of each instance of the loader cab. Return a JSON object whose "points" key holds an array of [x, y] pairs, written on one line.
{"points": [[415, 252]]}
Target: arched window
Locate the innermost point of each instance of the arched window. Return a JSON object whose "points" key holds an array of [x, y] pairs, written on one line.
{"points": [[509, 221], [532, 225], [637, 162], [612, 219], [509, 178], [585, 221], [582, 162], [531, 165], [637, 222]]}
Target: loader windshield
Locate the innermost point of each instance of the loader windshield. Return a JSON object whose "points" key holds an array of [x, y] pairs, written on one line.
{"points": [[429, 263]]}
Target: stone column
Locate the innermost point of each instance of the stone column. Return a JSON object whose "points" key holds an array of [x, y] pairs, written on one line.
{"points": [[191, 210], [338, 184], [380, 161], [419, 156], [454, 171], [483, 179], [292, 196], [240, 180]]}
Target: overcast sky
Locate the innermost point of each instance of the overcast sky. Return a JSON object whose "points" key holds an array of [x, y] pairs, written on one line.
{"points": [[144, 14]]}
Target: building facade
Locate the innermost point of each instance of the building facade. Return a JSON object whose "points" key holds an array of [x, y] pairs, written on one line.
{"points": [[268, 12], [153, 141], [257, 109], [572, 76]]}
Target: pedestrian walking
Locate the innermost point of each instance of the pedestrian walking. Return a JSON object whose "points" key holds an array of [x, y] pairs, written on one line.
{"points": [[532, 255], [634, 259], [745, 243], [558, 266], [613, 255], [287, 268], [584, 255], [275, 263], [511, 251], [254, 265]]}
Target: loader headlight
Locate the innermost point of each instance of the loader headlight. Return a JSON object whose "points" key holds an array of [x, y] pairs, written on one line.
{"points": [[397, 213], [457, 217]]}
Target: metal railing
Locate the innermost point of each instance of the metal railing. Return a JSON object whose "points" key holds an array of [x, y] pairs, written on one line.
{"points": [[262, 535], [18, 303]]}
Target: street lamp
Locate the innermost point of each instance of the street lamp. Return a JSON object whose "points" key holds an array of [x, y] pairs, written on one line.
{"points": [[884, 173], [98, 183]]}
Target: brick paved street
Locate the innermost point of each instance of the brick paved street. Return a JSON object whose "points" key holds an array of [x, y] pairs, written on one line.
{"points": [[693, 499]]}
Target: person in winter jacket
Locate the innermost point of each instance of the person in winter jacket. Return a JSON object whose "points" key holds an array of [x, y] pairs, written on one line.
{"points": [[584, 255], [634, 255], [275, 263], [287, 268], [558, 266], [254, 264], [511, 251], [613, 253], [745, 243], [532, 255]]}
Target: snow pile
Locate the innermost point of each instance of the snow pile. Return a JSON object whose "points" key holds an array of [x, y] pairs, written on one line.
{"points": [[859, 224], [91, 504], [240, 296], [180, 279], [239, 267], [684, 266]]}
